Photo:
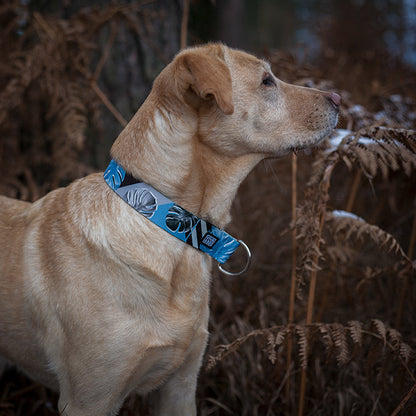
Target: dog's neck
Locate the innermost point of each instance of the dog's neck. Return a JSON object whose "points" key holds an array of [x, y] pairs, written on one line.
{"points": [[165, 152]]}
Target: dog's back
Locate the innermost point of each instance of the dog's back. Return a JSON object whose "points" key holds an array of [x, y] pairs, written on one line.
{"points": [[12, 223], [10, 207], [13, 330]]}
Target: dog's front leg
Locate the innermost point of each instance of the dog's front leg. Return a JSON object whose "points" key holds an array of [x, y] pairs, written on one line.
{"points": [[176, 397]]}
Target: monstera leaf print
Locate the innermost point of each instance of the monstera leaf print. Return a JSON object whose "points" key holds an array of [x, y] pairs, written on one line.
{"points": [[114, 174], [180, 220], [142, 201]]}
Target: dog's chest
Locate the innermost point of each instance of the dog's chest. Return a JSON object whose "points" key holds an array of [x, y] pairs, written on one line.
{"points": [[168, 330]]}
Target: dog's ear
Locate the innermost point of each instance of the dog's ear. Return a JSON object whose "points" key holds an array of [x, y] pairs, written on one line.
{"points": [[207, 75]]}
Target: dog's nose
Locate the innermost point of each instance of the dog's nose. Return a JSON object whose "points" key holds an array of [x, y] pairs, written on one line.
{"points": [[335, 99]]}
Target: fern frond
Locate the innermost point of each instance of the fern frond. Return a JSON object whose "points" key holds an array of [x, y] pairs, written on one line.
{"points": [[302, 333], [375, 149], [274, 341], [346, 228], [281, 336], [405, 352], [271, 348], [395, 338], [327, 338], [356, 332], [380, 328], [386, 149], [339, 333], [336, 337]]}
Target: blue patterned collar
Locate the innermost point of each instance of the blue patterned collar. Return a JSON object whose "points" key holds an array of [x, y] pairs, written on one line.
{"points": [[172, 218]]}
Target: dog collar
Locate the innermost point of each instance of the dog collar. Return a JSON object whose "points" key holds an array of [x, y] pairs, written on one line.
{"points": [[172, 218]]}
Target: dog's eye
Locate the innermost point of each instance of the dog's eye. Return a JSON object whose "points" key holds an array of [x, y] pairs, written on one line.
{"points": [[268, 81]]}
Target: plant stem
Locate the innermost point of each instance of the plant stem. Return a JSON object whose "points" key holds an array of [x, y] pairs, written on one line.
{"points": [[354, 188], [184, 24], [293, 275], [324, 188], [404, 401]]}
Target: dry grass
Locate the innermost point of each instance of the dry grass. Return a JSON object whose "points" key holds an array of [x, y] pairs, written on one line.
{"points": [[351, 327]]}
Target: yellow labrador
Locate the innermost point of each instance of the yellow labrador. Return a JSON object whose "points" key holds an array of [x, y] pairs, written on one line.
{"points": [[96, 301]]}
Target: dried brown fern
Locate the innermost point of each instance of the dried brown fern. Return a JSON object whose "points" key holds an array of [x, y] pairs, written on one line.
{"points": [[310, 220], [49, 94], [303, 344], [356, 332], [339, 333], [375, 149], [349, 229], [338, 339], [275, 341]]}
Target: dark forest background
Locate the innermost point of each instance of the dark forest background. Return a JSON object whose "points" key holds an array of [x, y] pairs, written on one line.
{"points": [[323, 322]]}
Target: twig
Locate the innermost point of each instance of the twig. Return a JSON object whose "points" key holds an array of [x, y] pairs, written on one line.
{"points": [[106, 53], [402, 404], [44, 25], [302, 392], [108, 104], [184, 25]]}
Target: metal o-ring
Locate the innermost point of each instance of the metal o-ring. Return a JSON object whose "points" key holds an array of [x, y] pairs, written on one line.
{"points": [[244, 245]]}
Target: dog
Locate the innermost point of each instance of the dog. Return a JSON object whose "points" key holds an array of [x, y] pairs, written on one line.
{"points": [[98, 302]]}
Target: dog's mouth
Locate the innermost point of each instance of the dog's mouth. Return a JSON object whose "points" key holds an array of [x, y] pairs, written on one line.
{"points": [[298, 148]]}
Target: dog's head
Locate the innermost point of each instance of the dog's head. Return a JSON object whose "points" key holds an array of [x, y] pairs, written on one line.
{"points": [[243, 107]]}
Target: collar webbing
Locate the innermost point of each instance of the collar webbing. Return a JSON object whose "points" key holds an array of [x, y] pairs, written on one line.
{"points": [[169, 216]]}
